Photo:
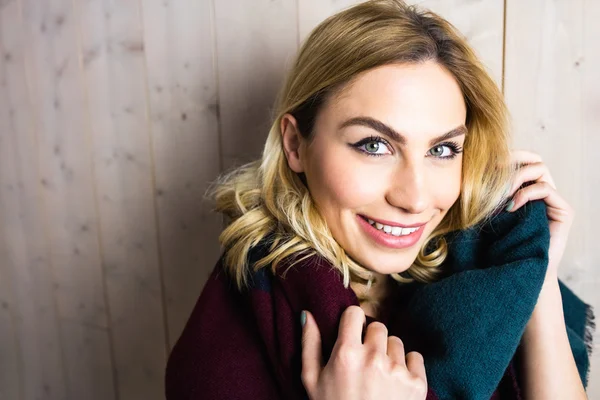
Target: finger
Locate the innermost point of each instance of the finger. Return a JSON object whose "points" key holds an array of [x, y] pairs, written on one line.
{"points": [[524, 157], [540, 191], [537, 172], [416, 365], [395, 350], [312, 359], [376, 337], [351, 326]]}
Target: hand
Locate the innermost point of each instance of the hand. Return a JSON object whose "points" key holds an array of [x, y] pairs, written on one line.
{"points": [[376, 369], [560, 214]]}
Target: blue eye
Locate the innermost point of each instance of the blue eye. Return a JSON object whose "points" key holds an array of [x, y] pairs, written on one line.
{"points": [[377, 146], [373, 146], [439, 151]]}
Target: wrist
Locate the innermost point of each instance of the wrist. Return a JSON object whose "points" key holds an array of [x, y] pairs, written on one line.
{"points": [[552, 270], [549, 367], [548, 312]]}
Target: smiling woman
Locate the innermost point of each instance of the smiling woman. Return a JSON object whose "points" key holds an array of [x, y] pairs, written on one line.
{"points": [[397, 180], [371, 137], [388, 134]]}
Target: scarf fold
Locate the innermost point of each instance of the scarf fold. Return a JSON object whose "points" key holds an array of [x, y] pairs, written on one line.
{"points": [[467, 326]]}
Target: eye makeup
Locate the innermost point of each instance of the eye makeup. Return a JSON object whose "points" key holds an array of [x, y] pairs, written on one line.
{"points": [[453, 146]]}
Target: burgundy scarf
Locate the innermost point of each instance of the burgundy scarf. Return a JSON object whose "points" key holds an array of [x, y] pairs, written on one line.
{"points": [[248, 345], [468, 325]]}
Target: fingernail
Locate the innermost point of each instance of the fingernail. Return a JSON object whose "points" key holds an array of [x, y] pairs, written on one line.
{"points": [[303, 318], [510, 205]]}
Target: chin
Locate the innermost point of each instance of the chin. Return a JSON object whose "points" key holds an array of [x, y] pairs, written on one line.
{"points": [[387, 267]]}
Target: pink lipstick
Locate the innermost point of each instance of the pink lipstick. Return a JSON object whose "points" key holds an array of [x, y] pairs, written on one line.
{"points": [[379, 236]]}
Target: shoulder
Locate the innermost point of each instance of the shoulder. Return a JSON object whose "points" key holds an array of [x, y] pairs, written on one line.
{"points": [[218, 347]]}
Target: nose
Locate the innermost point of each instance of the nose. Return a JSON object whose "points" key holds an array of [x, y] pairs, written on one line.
{"points": [[408, 189]]}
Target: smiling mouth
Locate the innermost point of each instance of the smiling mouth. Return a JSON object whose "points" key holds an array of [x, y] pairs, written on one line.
{"points": [[392, 230], [390, 223], [392, 236]]}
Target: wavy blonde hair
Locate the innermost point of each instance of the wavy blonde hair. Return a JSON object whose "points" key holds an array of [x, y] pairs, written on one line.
{"points": [[265, 199]]}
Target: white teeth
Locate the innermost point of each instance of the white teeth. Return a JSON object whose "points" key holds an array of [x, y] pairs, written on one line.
{"points": [[392, 230]]}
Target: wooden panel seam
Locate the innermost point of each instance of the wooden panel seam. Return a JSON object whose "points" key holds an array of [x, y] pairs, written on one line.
{"points": [[213, 28], [153, 179], [88, 135], [16, 339], [35, 128]]}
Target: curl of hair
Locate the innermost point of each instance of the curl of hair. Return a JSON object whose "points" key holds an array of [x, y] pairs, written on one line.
{"points": [[265, 199]]}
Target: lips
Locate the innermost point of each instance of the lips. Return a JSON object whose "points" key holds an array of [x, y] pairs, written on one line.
{"points": [[392, 223], [384, 239]]}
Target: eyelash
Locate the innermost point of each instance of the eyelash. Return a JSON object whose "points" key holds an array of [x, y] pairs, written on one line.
{"points": [[455, 147]]}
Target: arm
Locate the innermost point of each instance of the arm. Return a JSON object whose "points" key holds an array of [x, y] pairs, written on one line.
{"points": [[548, 363]]}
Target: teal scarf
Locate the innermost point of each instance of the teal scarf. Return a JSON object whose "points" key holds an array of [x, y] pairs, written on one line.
{"points": [[478, 313], [467, 325]]}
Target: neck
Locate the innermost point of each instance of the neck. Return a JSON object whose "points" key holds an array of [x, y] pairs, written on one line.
{"points": [[376, 292]]}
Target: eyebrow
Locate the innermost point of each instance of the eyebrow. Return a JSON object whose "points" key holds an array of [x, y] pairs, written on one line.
{"points": [[392, 134]]}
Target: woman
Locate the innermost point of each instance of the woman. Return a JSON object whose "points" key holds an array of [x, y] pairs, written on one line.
{"points": [[388, 135]]}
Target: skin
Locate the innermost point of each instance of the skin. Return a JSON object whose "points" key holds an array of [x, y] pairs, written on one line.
{"points": [[411, 184], [375, 369], [551, 372]]}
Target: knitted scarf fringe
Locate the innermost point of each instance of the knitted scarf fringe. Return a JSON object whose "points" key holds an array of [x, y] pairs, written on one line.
{"points": [[590, 329]]}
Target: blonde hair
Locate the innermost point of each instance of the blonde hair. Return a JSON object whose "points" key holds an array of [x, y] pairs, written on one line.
{"points": [[266, 200]]}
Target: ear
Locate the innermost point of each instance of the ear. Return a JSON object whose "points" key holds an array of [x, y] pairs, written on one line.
{"points": [[292, 142]]}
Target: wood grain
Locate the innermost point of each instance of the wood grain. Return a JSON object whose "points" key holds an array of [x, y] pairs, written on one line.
{"points": [[114, 71], [553, 92], [184, 115], [11, 365], [255, 41], [26, 261], [116, 116], [67, 180]]}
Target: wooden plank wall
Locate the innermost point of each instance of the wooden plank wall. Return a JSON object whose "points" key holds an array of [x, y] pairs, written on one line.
{"points": [[115, 117], [552, 88]]}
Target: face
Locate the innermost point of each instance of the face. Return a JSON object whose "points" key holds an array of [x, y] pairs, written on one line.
{"points": [[385, 157]]}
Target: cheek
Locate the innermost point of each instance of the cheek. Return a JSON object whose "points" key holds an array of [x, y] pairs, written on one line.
{"points": [[446, 187], [337, 181]]}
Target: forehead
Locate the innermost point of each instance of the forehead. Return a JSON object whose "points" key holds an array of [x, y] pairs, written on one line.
{"points": [[419, 100]]}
